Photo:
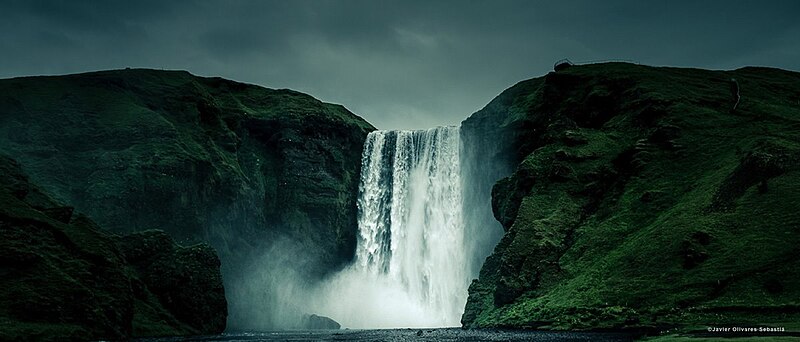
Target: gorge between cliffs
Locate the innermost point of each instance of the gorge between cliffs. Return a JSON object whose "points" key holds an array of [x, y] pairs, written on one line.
{"points": [[416, 251], [607, 196]]}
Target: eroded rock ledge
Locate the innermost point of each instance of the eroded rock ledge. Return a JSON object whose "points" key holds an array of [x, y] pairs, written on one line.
{"points": [[65, 278]]}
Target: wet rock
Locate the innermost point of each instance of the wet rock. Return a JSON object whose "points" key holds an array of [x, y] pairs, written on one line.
{"points": [[314, 322]]}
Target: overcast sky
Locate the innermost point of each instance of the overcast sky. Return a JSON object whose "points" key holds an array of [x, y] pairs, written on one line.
{"points": [[400, 64]]}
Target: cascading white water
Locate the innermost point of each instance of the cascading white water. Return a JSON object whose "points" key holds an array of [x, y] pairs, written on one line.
{"points": [[415, 255], [410, 218], [425, 226]]}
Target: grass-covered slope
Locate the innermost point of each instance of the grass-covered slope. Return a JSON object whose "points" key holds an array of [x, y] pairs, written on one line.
{"points": [[643, 199], [63, 278], [205, 159]]}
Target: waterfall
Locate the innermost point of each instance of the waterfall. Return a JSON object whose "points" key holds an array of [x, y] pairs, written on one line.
{"points": [[415, 254], [410, 218]]}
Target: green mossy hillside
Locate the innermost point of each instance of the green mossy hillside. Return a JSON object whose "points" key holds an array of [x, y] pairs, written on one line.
{"points": [[63, 278], [642, 199], [205, 159]]}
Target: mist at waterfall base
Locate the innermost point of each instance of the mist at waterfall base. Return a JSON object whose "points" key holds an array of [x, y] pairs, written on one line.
{"points": [[424, 228]]}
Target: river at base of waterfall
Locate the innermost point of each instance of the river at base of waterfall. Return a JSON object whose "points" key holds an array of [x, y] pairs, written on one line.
{"points": [[438, 334]]}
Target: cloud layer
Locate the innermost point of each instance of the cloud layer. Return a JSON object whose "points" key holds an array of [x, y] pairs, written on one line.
{"points": [[397, 64]]}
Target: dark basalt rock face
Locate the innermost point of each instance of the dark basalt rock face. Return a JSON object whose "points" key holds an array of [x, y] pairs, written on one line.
{"points": [[185, 280], [640, 200], [64, 278], [207, 160]]}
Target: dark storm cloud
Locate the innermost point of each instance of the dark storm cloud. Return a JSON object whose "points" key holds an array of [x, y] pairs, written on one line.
{"points": [[398, 64]]}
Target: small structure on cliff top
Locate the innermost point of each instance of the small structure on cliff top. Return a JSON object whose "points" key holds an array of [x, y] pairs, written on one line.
{"points": [[562, 64]]}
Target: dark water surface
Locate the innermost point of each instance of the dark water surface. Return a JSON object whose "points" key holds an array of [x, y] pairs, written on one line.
{"points": [[440, 334]]}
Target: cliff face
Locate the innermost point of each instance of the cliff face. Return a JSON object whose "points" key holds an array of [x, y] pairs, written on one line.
{"points": [[205, 159], [64, 278], [186, 281], [641, 198]]}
